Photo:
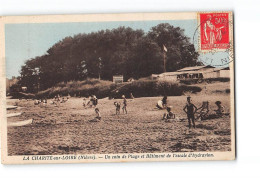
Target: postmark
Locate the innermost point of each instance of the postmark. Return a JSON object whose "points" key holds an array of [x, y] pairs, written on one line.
{"points": [[218, 58]]}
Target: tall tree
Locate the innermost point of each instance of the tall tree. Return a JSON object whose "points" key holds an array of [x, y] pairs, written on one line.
{"points": [[180, 52], [123, 51]]}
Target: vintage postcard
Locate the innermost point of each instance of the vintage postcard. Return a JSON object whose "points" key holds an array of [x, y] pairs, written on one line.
{"points": [[117, 87]]}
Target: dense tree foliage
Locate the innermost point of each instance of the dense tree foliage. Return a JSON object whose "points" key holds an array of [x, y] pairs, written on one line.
{"points": [[105, 53]]}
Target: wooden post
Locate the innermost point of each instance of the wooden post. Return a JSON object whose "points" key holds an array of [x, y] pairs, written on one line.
{"points": [[99, 68], [164, 61]]}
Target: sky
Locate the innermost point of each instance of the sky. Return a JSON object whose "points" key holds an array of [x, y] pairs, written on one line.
{"points": [[26, 41]]}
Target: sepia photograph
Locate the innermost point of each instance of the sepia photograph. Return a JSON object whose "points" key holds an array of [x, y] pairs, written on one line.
{"points": [[117, 87]]}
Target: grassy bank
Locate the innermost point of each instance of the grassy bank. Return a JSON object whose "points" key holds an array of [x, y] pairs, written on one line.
{"points": [[139, 88]]}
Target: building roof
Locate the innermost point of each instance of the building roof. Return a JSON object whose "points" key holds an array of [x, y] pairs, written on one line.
{"points": [[195, 68], [221, 68], [170, 73], [226, 68], [191, 70], [179, 73]]}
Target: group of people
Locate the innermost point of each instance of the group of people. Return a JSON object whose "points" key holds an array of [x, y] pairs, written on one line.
{"points": [[93, 101], [190, 109], [117, 105], [40, 101], [60, 99], [56, 100]]}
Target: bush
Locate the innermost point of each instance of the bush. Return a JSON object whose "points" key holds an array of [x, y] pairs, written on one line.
{"points": [[139, 88], [146, 88], [79, 88]]}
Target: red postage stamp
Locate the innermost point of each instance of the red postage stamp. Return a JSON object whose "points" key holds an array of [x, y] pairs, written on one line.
{"points": [[214, 31]]}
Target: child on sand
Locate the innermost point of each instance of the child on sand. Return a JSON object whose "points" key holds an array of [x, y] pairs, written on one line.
{"points": [[63, 100], [190, 109], [93, 101], [98, 115], [36, 102], [164, 101], [161, 104], [132, 96], [169, 115], [44, 102], [124, 104], [220, 110], [117, 105]]}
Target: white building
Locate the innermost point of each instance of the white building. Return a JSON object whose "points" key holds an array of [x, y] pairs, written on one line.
{"points": [[196, 72], [118, 79]]}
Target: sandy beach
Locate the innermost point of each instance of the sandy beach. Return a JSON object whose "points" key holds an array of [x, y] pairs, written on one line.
{"points": [[67, 129]]}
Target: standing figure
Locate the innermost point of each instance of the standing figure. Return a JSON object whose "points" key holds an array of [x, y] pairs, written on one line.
{"points": [[84, 102], [58, 100], [124, 104], [95, 101], [117, 105], [190, 109]]}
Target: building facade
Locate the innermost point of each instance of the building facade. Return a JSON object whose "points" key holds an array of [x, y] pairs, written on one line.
{"points": [[197, 72]]}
